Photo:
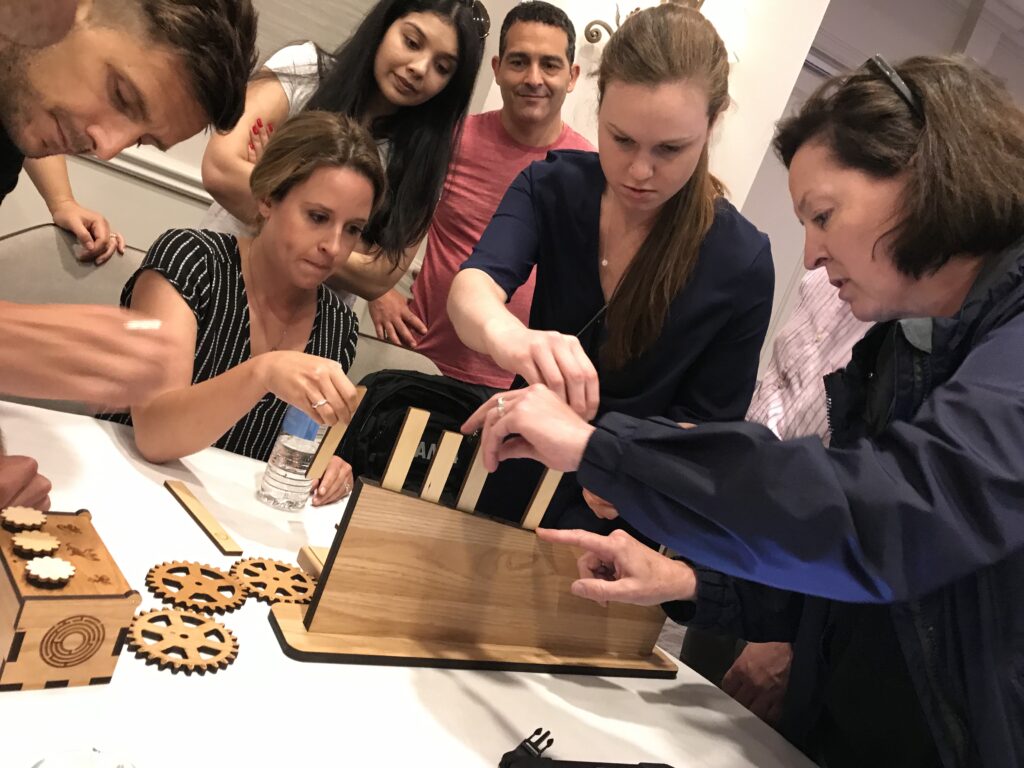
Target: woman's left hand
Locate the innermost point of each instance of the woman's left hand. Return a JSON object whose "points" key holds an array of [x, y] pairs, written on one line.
{"points": [[335, 484], [92, 230], [538, 424]]}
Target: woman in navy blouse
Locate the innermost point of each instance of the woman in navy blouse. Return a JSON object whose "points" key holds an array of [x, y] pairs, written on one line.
{"points": [[653, 293]]}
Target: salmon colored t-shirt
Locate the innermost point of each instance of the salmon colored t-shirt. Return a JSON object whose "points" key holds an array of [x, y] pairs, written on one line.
{"points": [[485, 164]]}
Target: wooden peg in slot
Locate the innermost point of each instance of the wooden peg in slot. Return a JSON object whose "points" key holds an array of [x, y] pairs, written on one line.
{"points": [[441, 466], [331, 442], [473, 483], [541, 498], [405, 449]]}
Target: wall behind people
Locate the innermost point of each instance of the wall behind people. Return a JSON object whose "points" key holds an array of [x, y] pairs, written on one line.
{"points": [[850, 32], [771, 39]]}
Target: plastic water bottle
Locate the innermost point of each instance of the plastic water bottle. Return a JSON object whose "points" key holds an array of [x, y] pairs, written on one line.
{"points": [[284, 484]]}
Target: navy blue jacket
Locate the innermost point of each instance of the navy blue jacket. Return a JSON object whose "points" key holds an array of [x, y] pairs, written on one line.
{"points": [[926, 516], [702, 366]]}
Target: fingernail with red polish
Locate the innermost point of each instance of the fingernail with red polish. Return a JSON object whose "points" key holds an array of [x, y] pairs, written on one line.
{"points": [[259, 122], [255, 129]]}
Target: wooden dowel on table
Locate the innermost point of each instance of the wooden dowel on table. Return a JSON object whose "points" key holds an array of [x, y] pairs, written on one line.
{"points": [[202, 516]]}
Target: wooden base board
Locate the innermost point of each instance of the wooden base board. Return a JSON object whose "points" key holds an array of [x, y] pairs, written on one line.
{"points": [[302, 645]]}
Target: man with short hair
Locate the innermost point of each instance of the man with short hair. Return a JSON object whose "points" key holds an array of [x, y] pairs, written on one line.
{"points": [[534, 69], [125, 72]]}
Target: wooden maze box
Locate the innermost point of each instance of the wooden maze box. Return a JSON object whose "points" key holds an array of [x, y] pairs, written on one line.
{"points": [[53, 637]]}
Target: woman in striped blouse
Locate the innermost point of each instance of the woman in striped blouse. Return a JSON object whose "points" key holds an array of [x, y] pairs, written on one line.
{"points": [[256, 329]]}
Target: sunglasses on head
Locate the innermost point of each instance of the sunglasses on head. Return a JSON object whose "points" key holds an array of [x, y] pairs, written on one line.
{"points": [[481, 18], [898, 84]]}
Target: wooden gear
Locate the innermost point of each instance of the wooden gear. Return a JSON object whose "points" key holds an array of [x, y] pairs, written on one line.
{"points": [[410, 582], [196, 587], [272, 581], [182, 641], [52, 637]]}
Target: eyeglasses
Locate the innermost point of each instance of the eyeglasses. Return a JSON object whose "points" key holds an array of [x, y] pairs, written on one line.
{"points": [[480, 16], [898, 83]]}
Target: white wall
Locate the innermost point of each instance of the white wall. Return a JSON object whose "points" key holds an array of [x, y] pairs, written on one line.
{"points": [[771, 38]]}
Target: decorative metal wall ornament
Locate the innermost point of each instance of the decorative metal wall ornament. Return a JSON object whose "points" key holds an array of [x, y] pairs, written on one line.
{"points": [[593, 31]]}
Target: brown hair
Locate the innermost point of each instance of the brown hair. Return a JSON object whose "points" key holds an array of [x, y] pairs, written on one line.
{"points": [[313, 140], [963, 154], [659, 45], [216, 40]]}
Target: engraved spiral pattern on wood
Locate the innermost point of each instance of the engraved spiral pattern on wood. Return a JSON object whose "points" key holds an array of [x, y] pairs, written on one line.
{"points": [[72, 641]]}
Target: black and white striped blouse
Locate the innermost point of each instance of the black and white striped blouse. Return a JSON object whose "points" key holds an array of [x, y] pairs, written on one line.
{"points": [[206, 269]]}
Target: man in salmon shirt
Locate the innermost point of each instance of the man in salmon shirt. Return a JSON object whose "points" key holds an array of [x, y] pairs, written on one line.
{"points": [[534, 69]]}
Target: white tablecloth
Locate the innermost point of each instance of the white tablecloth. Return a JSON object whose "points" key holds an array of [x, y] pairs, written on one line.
{"points": [[266, 710]]}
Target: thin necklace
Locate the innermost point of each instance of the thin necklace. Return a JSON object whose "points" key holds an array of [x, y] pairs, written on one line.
{"points": [[263, 312]]}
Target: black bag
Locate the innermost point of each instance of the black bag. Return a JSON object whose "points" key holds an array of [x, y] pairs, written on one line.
{"points": [[372, 435]]}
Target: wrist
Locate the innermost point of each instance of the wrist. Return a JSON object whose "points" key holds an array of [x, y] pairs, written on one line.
{"points": [[262, 368], [56, 204], [681, 584]]}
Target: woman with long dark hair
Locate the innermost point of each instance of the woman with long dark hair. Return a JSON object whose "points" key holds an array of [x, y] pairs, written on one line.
{"points": [[406, 73], [653, 293]]}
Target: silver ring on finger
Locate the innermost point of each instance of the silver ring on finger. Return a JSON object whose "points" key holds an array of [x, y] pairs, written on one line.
{"points": [[501, 406], [348, 487], [318, 403]]}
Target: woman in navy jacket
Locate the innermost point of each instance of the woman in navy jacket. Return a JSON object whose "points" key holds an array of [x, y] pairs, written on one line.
{"points": [[646, 274], [894, 559]]}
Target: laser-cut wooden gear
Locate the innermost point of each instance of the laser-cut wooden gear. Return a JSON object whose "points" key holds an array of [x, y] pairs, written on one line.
{"points": [[49, 571], [31, 544], [182, 641], [22, 519], [273, 581], [196, 587]]}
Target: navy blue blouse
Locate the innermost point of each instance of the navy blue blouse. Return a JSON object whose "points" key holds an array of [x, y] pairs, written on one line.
{"points": [[703, 366]]}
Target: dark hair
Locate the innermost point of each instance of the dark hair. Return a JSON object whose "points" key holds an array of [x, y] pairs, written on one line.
{"points": [[664, 44], [542, 13], [963, 158], [422, 137], [313, 140], [217, 41]]}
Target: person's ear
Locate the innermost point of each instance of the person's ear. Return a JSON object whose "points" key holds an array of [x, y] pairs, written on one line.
{"points": [[495, 64], [574, 75], [264, 207]]}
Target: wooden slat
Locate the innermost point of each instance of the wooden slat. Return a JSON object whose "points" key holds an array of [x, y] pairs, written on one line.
{"points": [[405, 449], [541, 498], [331, 442], [441, 466], [203, 518], [473, 483]]}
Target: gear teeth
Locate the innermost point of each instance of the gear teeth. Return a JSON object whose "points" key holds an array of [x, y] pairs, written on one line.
{"points": [[206, 586], [271, 581], [191, 631]]}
